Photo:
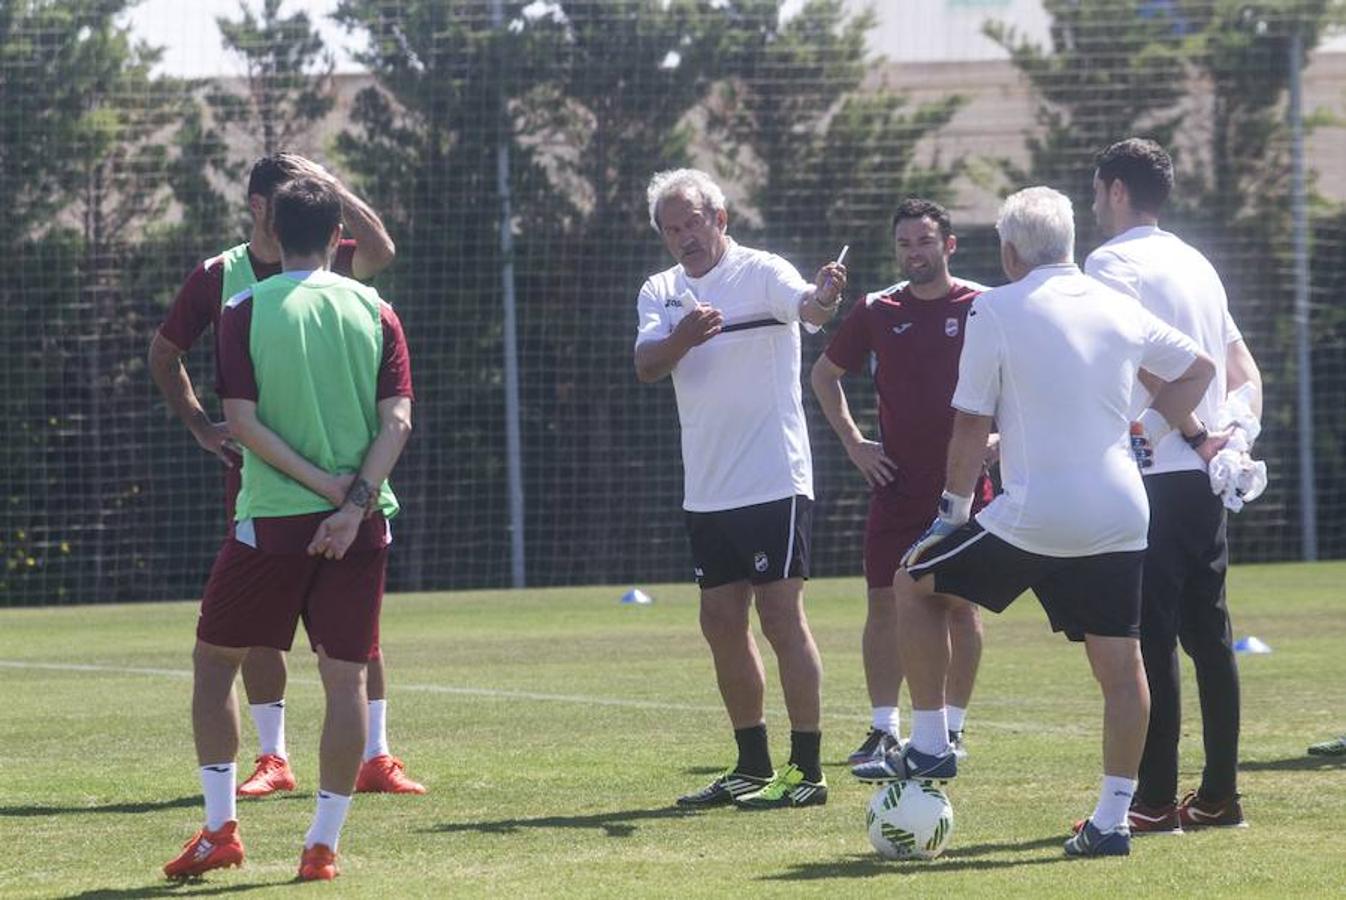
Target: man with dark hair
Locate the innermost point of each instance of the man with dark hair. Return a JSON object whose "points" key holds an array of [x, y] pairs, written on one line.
{"points": [[197, 308], [1184, 580], [316, 381], [1143, 167], [909, 337]]}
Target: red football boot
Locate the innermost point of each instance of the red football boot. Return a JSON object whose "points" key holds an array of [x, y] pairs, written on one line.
{"points": [[383, 775], [272, 774], [318, 863], [207, 850]]}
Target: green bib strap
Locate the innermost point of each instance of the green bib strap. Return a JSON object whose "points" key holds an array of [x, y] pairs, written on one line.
{"points": [[238, 273]]}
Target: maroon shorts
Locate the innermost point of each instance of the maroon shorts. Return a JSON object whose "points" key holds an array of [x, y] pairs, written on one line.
{"points": [[897, 520], [889, 531], [255, 599]]}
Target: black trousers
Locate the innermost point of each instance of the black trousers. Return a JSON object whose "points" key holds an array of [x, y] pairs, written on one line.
{"points": [[1183, 600]]}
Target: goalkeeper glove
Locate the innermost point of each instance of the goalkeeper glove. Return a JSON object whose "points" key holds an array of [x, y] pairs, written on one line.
{"points": [[954, 511]]}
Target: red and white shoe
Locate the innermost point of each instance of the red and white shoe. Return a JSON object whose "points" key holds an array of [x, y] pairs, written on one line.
{"points": [[318, 863], [384, 775], [1195, 812], [207, 850], [271, 775], [1161, 819]]}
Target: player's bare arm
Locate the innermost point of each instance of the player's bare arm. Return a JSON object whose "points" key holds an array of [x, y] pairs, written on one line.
{"points": [[1171, 402], [1189, 425], [1176, 399], [374, 249], [656, 359], [1241, 369], [819, 304], [336, 533], [249, 431], [170, 375], [967, 453], [866, 455]]}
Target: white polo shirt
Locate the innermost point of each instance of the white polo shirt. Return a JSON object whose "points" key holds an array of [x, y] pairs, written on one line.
{"points": [[1175, 282], [744, 439], [1053, 357]]}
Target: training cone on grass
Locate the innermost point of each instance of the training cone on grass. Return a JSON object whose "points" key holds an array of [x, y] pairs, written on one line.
{"points": [[636, 597], [1251, 644]]}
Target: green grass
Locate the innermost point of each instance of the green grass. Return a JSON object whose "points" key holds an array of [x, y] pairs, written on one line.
{"points": [[554, 727]]}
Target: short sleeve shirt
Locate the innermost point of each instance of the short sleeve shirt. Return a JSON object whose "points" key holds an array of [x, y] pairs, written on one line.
{"points": [[237, 381], [1175, 282], [1054, 357], [199, 301], [744, 439], [911, 346], [197, 307]]}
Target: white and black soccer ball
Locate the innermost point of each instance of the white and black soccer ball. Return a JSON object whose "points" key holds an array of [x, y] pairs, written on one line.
{"points": [[909, 820]]}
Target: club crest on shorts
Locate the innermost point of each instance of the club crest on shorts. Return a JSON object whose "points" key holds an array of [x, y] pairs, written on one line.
{"points": [[951, 327], [759, 561]]}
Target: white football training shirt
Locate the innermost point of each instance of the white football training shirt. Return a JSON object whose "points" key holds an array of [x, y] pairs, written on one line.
{"points": [[1053, 357], [1175, 282], [744, 440]]}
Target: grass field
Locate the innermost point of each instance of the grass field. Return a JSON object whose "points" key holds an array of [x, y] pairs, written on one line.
{"points": [[554, 727]]}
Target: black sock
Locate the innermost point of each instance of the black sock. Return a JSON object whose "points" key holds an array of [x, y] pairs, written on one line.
{"points": [[753, 756], [804, 750]]}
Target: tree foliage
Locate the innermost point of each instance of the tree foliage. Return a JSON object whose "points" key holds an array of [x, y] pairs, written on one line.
{"points": [[287, 75]]}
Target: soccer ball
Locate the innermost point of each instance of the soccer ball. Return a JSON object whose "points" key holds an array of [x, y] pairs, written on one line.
{"points": [[909, 820]]}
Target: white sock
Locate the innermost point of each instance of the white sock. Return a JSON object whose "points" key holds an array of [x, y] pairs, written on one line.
{"points": [[930, 731], [955, 715], [1113, 802], [327, 821], [217, 785], [270, 721], [376, 739], [887, 718]]}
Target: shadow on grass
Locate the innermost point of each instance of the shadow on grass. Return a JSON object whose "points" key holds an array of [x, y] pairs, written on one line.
{"points": [[959, 859], [173, 889], [1304, 763], [23, 812], [621, 823]]}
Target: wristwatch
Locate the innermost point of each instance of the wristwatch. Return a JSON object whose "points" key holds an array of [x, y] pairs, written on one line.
{"points": [[1196, 440]]}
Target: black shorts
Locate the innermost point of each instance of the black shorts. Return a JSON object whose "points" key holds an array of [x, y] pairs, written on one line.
{"points": [[761, 543], [1098, 595]]}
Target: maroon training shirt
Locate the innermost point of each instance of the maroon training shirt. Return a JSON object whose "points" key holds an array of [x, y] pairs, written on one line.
{"points": [[238, 381], [197, 307], [914, 345], [199, 300]]}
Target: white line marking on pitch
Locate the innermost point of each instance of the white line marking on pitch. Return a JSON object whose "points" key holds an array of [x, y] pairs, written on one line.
{"points": [[401, 686], [495, 693]]}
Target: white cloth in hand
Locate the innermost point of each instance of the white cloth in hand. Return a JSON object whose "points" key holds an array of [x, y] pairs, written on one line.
{"points": [[1235, 477]]}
